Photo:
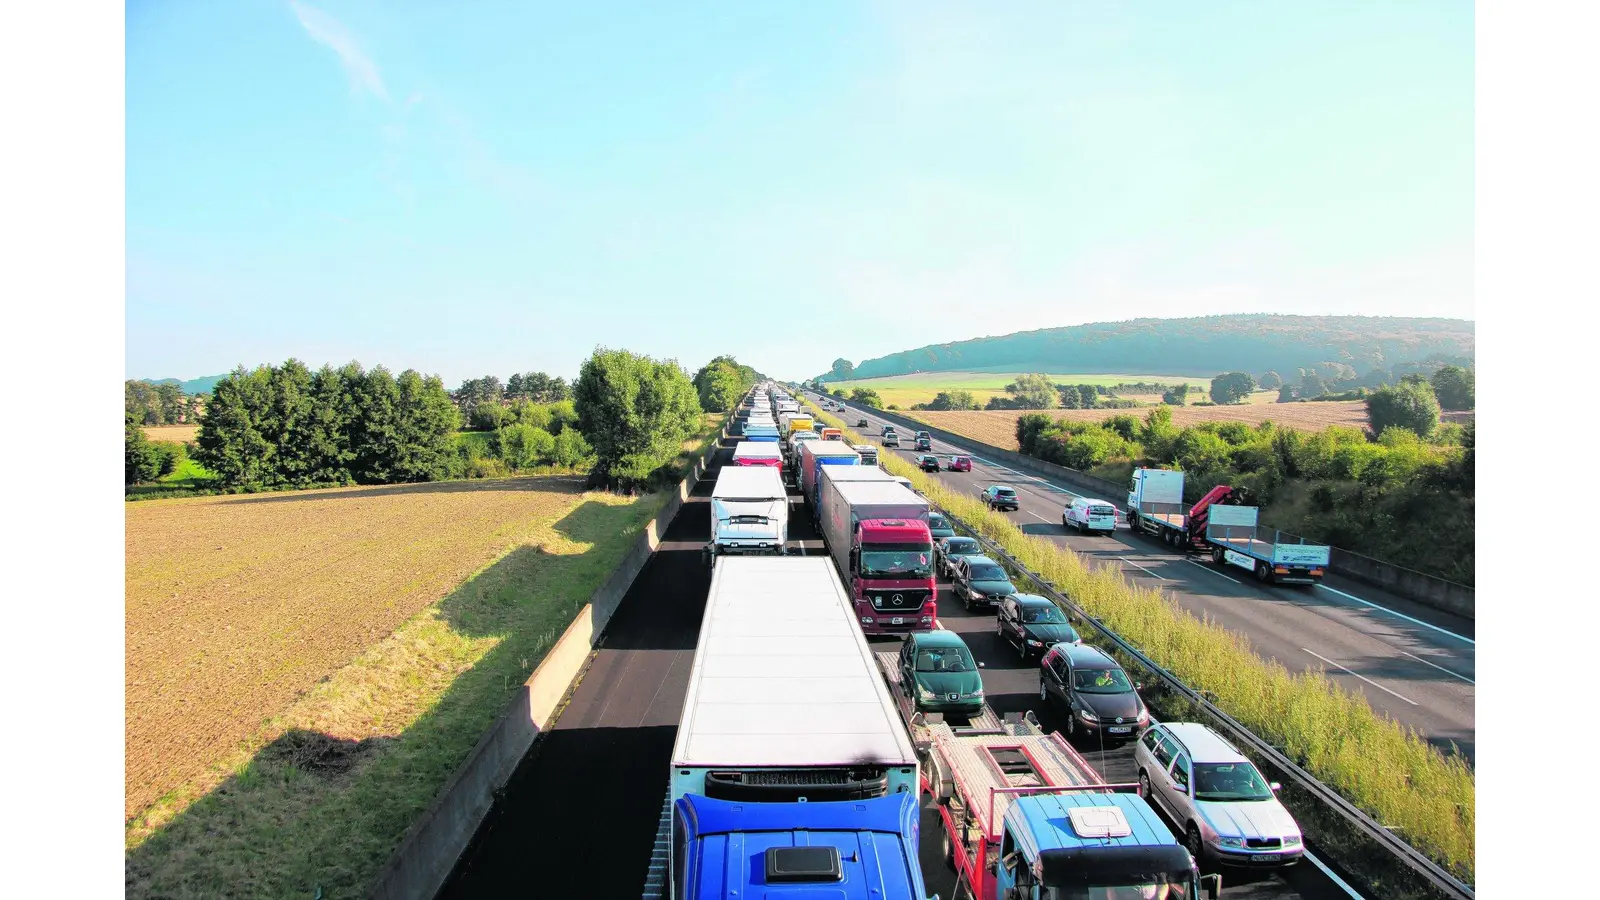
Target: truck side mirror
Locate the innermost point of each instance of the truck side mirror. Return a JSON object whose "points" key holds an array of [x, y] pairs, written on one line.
{"points": [[1212, 885]]}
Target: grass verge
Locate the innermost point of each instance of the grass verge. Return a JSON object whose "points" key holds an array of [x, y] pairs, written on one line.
{"points": [[1381, 767], [315, 803]]}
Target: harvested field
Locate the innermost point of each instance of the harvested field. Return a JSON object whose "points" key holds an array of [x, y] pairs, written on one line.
{"points": [[237, 605], [999, 427], [181, 434], [904, 390]]}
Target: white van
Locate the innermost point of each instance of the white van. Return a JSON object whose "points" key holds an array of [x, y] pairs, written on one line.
{"points": [[1089, 514]]}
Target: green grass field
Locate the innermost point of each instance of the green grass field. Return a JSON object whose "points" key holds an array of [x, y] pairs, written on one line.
{"points": [[904, 390]]}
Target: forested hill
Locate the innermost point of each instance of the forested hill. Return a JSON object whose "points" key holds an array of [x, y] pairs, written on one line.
{"points": [[1243, 343], [192, 386]]}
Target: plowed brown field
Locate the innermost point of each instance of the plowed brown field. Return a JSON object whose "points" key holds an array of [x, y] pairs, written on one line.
{"points": [[180, 433], [237, 605], [999, 427]]}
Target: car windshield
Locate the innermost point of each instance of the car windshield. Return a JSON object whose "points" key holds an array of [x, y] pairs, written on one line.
{"points": [[988, 573], [1229, 781], [1102, 511], [944, 659], [959, 459], [1043, 615], [899, 560], [937, 521], [960, 546], [1100, 681]]}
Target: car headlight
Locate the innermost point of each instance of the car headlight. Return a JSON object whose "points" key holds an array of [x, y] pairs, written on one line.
{"points": [[1035, 644], [977, 595], [1292, 840], [1234, 842], [924, 693], [1088, 716], [866, 620], [1144, 716]]}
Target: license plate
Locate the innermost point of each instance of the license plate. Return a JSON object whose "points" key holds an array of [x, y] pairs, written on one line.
{"points": [[1120, 729], [897, 620], [1264, 857]]}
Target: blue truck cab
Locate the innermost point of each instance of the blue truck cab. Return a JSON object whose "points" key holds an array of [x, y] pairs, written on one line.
{"points": [[1093, 846], [763, 433], [842, 850]]}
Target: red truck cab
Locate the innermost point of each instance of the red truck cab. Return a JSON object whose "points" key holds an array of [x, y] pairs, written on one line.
{"points": [[891, 576]]}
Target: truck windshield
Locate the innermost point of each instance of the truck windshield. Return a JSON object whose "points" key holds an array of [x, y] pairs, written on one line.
{"points": [[899, 560], [1148, 890], [1229, 782]]}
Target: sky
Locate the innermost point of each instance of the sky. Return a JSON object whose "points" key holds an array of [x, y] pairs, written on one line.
{"points": [[488, 188]]}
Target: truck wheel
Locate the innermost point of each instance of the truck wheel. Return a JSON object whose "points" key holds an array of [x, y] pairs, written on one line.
{"points": [[1217, 557], [1263, 572], [949, 851]]}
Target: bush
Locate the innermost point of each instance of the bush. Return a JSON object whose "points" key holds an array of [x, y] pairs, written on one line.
{"points": [[489, 415], [1411, 406]]}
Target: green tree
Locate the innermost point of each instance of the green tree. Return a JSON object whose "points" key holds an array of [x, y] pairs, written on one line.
{"points": [[571, 450], [140, 463], [721, 383], [233, 440], [635, 411], [1454, 387], [1286, 393], [514, 386], [424, 421], [842, 370], [170, 399], [946, 400], [1231, 387], [490, 416], [1177, 396], [1033, 391], [524, 446], [1408, 405], [140, 400], [866, 397], [1271, 381], [327, 428]]}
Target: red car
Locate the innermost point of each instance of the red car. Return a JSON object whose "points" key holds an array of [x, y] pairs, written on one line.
{"points": [[961, 464]]}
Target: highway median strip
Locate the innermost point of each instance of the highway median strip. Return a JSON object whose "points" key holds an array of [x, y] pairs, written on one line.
{"points": [[1378, 765]]}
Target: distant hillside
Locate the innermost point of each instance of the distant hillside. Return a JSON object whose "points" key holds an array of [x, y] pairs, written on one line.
{"points": [[1236, 343], [193, 386]]}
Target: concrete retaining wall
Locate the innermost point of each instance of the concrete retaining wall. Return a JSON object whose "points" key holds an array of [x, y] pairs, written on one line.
{"points": [[430, 848], [1425, 589]]}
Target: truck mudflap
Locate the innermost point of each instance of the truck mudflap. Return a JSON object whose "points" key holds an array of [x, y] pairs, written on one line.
{"points": [[655, 880]]}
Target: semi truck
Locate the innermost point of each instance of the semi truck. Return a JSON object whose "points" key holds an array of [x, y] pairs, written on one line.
{"points": [[1024, 815], [869, 454], [1276, 557], [749, 512], [813, 456], [764, 432], [757, 453], [877, 534], [796, 421], [791, 772], [842, 474]]}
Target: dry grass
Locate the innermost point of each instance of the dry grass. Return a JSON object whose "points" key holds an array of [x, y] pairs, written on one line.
{"points": [[237, 605], [999, 427], [181, 434], [1374, 762]]}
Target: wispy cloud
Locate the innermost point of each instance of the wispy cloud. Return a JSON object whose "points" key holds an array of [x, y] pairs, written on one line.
{"points": [[327, 31]]}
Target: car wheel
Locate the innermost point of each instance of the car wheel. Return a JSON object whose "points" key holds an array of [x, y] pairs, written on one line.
{"points": [[949, 850], [1044, 692], [1197, 847], [1022, 649], [1144, 784]]}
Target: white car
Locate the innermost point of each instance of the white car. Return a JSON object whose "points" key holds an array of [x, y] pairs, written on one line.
{"points": [[1226, 812], [1089, 514]]}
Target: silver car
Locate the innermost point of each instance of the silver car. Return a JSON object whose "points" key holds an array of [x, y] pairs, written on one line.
{"points": [[1227, 813]]}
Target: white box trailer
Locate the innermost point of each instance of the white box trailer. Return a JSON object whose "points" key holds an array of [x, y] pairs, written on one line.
{"points": [[784, 695], [749, 512], [1237, 539]]}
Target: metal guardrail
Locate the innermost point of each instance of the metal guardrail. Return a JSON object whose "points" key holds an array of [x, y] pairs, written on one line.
{"points": [[1429, 870], [1411, 856]]}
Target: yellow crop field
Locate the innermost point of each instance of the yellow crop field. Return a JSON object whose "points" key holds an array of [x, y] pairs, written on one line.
{"points": [[181, 434], [999, 427], [236, 605]]}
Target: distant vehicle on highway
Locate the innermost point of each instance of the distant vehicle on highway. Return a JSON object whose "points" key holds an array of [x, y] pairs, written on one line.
{"points": [[890, 439], [1089, 514], [1033, 624], [979, 581], [949, 550], [861, 422], [924, 443], [1227, 813], [1094, 692], [998, 496], [928, 462], [961, 464]]}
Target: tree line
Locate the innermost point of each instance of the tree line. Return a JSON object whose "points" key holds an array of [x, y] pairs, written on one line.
{"points": [[158, 404]]}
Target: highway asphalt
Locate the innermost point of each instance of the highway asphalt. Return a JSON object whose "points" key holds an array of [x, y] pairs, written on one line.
{"points": [[1412, 663]]}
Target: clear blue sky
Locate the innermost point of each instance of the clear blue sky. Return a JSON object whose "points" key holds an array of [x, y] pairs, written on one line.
{"points": [[486, 188]]}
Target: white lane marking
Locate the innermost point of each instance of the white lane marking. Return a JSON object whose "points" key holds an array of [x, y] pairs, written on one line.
{"points": [[1362, 677], [1331, 876], [1037, 516], [1391, 612], [1213, 571], [1132, 563], [1440, 668]]}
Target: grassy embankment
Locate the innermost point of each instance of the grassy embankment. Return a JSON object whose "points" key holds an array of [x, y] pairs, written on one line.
{"points": [[1390, 772], [323, 784]]}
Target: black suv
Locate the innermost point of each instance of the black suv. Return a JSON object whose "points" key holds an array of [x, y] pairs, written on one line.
{"points": [[1093, 691], [1033, 624], [928, 462]]}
